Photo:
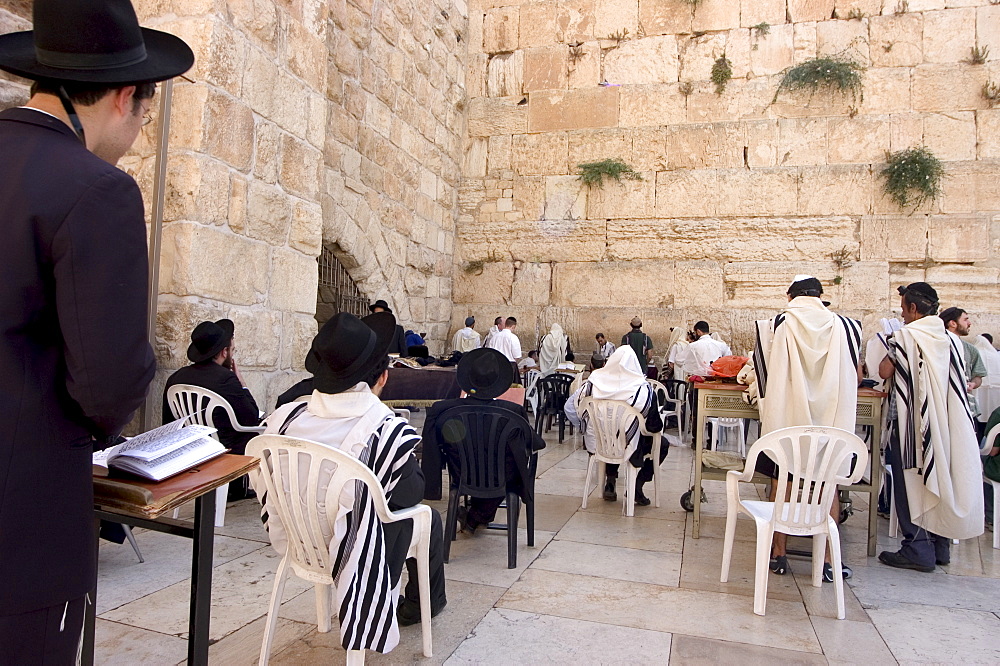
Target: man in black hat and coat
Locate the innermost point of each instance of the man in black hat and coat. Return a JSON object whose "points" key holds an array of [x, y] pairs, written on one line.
{"points": [[483, 374], [74, 356], [398, 343], [214, 368]]}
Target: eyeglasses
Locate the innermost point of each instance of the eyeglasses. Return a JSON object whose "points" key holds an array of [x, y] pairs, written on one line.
{"points": [[147, 114]]}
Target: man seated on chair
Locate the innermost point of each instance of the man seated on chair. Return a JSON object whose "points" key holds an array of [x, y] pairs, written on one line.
{"points": [[622, 378], [349, 361], [213, 367], [483, 374], [808, 365], [697, 357]]}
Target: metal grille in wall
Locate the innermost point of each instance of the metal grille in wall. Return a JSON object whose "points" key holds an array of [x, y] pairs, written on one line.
{"points": [[337, 291]]}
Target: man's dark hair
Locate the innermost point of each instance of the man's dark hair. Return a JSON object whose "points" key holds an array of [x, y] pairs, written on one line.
{"points": [[498, 321], [949, 315], [597, 361], [702, 326], [599, 336], [88, 94], [922, 296], [380, 367], [988, 337], [510, 320]]}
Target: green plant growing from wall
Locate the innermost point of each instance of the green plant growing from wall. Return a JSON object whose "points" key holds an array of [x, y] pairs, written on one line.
{"points": [[912, 177], [762, 29], [618, 37], [722, 72], [593, 173], [978, 55], [855, 14], [991, 93], [476, 266], [686, 88], [836, 74], [693, 3]]}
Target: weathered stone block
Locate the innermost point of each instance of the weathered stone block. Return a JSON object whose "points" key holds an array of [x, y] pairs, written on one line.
{"points": [[762, 284], [267, 147], [504, 74], [958, 238], [293, 279], [958, 190], [847, 37], [540, 154], [545, 68], [532, 283], [305, 54], [949, 34], [474, 165], [867, 8], [615, 16], [611, 284], [238, 204], [897, 40], [665, 17], [951, 136], [529, 196], [187, 116], [718, 145], [268, 213], [629, 199], [698, 284], [500, 153], [651, 105], [863, 139], [810, 10], [496, 115], [258, 337], [573, 109], [835, 190], [774, 51], [595, 145], [905, 130], [802, 141], [988, 133], [584, 71], [755, 12], [686, 193], [865, 286], [300, 165], [761, 143], [893, 238], [197, 188], [565, 198], [648, 149], [297, 332], [742, 100], [306, 233], [539, 25], [969, 287], [804, 40], [552, 240], [647, 60], [887, 90], [500, 30], [987, 178], [757, 192], [198, 261], [716, 15], [491, 284], [988, 30]]}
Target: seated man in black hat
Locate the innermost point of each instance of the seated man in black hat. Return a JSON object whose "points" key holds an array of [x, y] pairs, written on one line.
{"points": [[483, 374], [349, 363], [214, 368], [398, 343]]}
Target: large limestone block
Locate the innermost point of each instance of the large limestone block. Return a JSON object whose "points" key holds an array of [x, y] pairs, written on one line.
{"points": [[718, 145], [532, 284], [988, 30], [896, 40], [761, 143], [647, 60], [297, 333], [762, 284], [545, 68], [887, 90], [988, 133], [615, 17], [958, 238], [716, 15], [197, 188], [188, 117], [836, 190], [293, 279], [802, 141], [629, 199], [489, 116], [475, 75], [474, 162], [261, 74], [547, 23], [686, 193], [905, 130], [810, 10], [958, 190], [238, 186], [573, 109], [849, 38], [755, 12], [866, 7], [613, 284], [949, 34], [656, 104], [258, 337], [584, 70], [305, 54], [648, 148], [306, 233], [757, 192], [530, 196], [743, 99], [499, 153], [500, 30], [863, 139], [268, 212], [259, 19], [894, 238], [666, 17], [596, 145], [774, 52], [540, 154], [698, 53], [865, 286], [535, 241], [300, 165], [969, 287], [505, 74], [176, 318], [951, 136], [988, 187], [698, 284], [213, 263], [807, 104], [565, 198], [804, 41]]}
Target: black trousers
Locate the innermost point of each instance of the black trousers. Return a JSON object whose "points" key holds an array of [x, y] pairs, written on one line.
{"points": [[644, 449], [918, 544], [47, 636], [397, 542]]}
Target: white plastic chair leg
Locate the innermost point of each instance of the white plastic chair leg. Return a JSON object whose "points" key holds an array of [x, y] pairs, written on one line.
{"points": [[836, 563], [818, 557], [322, 607], [221, 495], [628, 495], [761, 569], [743, 439], [996, 513], [272, 611], [656, 470], [424, 585], [355, 657], [727, 545], [590, 473], [893, 520]]}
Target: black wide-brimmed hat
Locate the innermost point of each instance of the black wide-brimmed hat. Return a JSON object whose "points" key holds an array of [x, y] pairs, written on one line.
{"points": [[209, 338], [92, 41], [485, 373], [346, 349], [380, 304]]}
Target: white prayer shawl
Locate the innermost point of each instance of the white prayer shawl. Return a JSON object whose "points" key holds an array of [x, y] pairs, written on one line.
{"points": [[988, 393], [493, 332], [937, 440], [806, 364], [875, 351], [465, 340], [620, 379], [358, 423], [552, 351]]}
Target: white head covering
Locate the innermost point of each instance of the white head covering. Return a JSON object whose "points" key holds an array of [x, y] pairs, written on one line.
{"points": [[676, 336], [552, 351], [620, 378]]}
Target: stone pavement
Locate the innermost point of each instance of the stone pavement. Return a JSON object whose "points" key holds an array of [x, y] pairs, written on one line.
{"points": [[596, 588]]}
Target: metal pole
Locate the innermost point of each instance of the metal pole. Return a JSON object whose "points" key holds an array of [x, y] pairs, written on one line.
{"points": [[156, 228]]}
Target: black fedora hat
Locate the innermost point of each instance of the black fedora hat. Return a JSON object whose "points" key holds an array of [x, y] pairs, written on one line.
{"points": [[209, 338], [346, 349], [485, 373], [380, 304], [92, 41]]}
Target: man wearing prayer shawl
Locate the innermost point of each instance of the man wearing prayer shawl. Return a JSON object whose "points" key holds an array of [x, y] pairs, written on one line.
{"points": [[553, 350], [466, 339], [622, 379], [807, 361], [932, 444], [349, 361]]}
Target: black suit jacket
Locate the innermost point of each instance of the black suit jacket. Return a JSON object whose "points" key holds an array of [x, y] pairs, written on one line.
{"points": [[433, 458], [74, 358], [214, 377]]}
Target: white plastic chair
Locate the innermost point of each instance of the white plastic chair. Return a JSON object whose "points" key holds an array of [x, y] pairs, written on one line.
{"points": [[721, 423], [813, 456], [290, 469], [198, 405], [991, 437], [610, 420], [531, 390]]}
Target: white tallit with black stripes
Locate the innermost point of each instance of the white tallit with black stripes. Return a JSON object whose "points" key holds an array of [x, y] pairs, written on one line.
{"points": [[354, 421], [806, 361], [620, 379], [936, 435]]}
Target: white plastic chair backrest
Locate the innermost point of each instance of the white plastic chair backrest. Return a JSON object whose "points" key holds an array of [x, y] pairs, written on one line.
{"points": [[199, 404], [531, 388], [610, 421], [812, 456], [661, 393], [991, 437], [304, 482]]}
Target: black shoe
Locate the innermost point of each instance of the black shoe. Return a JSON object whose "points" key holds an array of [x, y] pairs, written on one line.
{"points": [[640, 498], [240, 494], [779, 565], [901, 562], [463, 521], [610, 494], [845, 570], [943, 563], [408, 612]]}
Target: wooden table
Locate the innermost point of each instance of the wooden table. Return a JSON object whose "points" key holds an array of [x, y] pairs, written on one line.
{"points": [[726, 401], [140, 503]]}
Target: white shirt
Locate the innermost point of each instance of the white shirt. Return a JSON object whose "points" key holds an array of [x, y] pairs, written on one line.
{"points": [[466, 340], [697, 358], [607, 349], [506, 343]]}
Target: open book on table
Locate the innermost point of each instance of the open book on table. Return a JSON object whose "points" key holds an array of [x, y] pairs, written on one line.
{"points": [[161, 452]]}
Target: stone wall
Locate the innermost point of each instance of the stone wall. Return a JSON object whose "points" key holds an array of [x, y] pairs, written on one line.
{"points": [[739, 191]]}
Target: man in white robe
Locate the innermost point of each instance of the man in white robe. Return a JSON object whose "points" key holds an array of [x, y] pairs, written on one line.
{"points": [[932, 447], [697, 357], [466, 339], [494, 331], [552, 350]]}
